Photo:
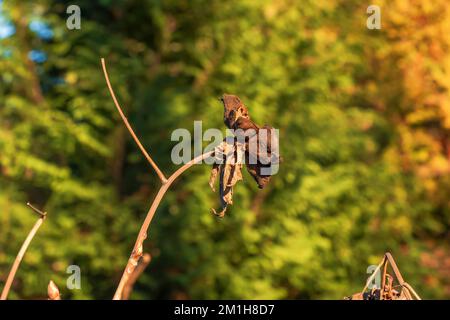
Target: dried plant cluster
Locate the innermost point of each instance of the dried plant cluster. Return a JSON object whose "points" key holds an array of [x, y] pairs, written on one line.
{"points": [[137, 252], [237, 117], [232, 153], [228, 167], [386, 290]]}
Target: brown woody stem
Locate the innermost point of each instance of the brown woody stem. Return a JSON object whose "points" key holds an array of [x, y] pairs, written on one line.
{"points": [[143, 263], [130, 129], [134, 258], [136, 254]]}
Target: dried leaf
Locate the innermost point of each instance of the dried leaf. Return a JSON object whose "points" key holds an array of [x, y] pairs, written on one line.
{"points": [[213, 176], [236, 116], [261, 161], [229, 168]]}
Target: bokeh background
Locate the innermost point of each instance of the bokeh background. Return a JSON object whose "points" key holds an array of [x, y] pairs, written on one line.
{"points": [[364, 119]]}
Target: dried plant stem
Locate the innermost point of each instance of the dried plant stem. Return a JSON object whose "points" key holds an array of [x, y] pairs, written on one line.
{"points": [[137, 250], [143, 263], [23, 249], [384, 263], [166, 183], [130, 129]]}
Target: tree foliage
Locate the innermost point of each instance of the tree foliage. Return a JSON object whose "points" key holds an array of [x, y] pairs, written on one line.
{"points": [[363, 118]]}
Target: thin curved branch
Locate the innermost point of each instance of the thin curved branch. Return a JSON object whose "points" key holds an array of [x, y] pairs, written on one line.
{"points": [[137, 250], [143, 263], [136, 254], [130, 129], [23, 249]]}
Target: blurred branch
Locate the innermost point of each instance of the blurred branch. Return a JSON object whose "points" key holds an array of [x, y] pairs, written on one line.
{"points": [[39, 212], [128, 287], [23, 249], [136, 254], [130, 129]]}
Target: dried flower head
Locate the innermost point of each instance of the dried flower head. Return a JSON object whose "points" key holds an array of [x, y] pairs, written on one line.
{"points": [[228, 166], [260, 159], [233, 151]]}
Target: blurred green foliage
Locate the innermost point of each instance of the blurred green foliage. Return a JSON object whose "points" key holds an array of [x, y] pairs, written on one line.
{"points": [[342, 197]]}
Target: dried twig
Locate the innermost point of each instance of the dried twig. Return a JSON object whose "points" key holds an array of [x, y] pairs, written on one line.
{"points": [[130, 129], [388, 259], [23, 249], [166, 183], [53, 291], [143, 263]]}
